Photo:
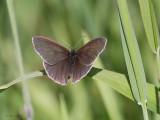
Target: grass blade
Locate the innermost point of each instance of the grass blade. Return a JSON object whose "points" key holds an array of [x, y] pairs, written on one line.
{"points": [[15, 35], [150, 24], [130, 67], [64, 112], [151, 29], [120, 83], [110, 100], [80, 101], [132, 57], [115, 80], [22, 78], [158, 65], [27, 104]]}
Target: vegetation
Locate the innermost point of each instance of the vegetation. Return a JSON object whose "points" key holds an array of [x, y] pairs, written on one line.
{"points": [[126, 74]]}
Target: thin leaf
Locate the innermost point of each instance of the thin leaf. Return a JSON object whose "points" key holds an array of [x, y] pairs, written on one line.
{"points": [[158, 66], [26, 96], [22, 78], [150, 24], [132, 57], [15, 35], [130, 68], [120, 83], [132, 54]]}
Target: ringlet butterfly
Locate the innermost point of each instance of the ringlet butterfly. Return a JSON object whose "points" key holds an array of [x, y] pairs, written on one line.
{"points": [[61, 64]]}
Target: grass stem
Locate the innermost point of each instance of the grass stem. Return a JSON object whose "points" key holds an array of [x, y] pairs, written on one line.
{"points": [[26, 95]]}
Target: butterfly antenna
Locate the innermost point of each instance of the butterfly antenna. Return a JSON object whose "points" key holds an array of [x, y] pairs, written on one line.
{"points": [[79, 41], [65, 42]]}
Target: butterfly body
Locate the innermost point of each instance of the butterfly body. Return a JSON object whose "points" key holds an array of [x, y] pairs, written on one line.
{"points": [[60, 64], [73, 56]]}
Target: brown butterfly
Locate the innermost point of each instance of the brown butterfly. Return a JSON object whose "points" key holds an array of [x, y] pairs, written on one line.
{"points": [[61, 64]]}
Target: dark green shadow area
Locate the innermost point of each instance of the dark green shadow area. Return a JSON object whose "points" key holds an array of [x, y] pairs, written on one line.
{"points": [[3, 90], [94, 71], [43, 72], [158, 99]]}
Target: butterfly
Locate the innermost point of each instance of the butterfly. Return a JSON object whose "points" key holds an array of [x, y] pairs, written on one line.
{"points": [[60, 64]]}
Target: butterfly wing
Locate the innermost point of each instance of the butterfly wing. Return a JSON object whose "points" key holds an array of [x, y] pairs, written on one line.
{"points": [[90, 51], [50, 51], [86, 56], [80, 70], [59, 72]]}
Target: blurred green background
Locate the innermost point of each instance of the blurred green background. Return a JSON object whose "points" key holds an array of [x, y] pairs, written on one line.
{"points": [[70, 20]]}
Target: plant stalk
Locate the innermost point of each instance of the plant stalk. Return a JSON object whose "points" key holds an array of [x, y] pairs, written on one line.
{"points": [[27, 104], [144, 109]]}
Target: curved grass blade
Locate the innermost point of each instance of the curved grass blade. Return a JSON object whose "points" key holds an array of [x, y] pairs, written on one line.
{"points": [[22, 78], [150, 24], [120, 83]]}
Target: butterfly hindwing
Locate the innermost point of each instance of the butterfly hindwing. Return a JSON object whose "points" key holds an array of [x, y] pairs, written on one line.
{"points": [[59, 72], [80, 70]]}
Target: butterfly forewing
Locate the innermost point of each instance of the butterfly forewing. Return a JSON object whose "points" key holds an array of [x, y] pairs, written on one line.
{"points": [[50, 51], [59, 72], [90, 51]]}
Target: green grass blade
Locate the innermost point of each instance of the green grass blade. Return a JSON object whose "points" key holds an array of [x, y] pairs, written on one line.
{"points": [[15, 35], [151, 29], [150, 24], [130, 68], [22, 78], [80, 102], [110, 100], [45, 100], [132, 57], [158, 66], [120, 83], [64, 113], [115, 80], [26, 96], [131, 52]]}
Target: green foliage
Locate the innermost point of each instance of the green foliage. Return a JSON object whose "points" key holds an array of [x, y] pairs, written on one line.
{"points": [[132, 57], [115, 80], [86, 99]]}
